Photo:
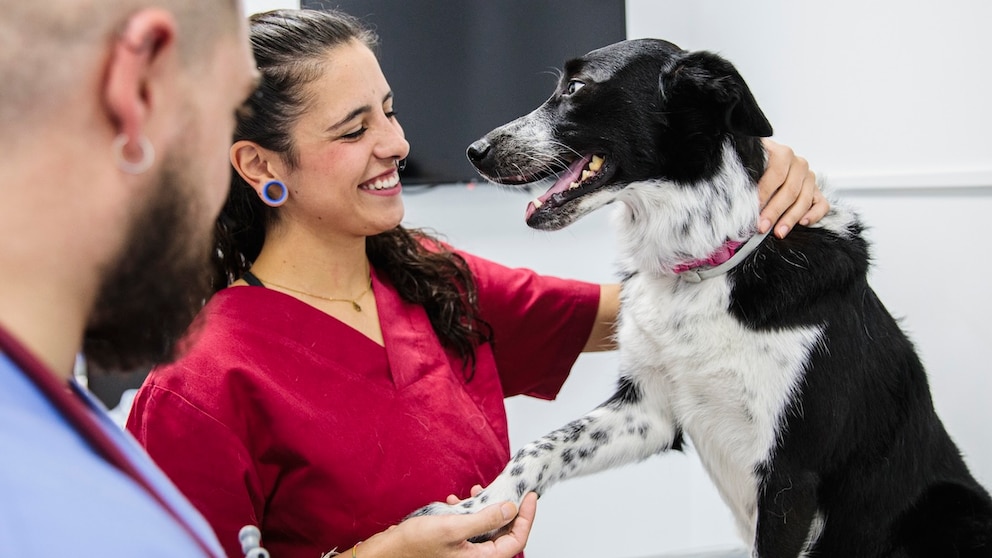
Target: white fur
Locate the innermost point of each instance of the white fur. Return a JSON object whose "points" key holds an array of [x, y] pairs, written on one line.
{"points": [[727, 385], [660, 225]]}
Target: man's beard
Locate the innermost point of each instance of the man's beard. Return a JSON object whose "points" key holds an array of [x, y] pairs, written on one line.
{"points": [[158, 283]]}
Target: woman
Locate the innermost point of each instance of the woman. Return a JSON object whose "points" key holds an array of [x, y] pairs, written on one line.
{"points": [[355, 370]]}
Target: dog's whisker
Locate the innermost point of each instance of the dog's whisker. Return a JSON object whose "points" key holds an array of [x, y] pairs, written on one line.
{"points": [[567, 148], [556, 72], [541, 164]]}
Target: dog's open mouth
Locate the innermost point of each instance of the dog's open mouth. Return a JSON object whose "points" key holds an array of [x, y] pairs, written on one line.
{"points": [[584, 175]]}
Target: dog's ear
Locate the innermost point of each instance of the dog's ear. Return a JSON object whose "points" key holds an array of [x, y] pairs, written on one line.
{"points": [[716, 79]]}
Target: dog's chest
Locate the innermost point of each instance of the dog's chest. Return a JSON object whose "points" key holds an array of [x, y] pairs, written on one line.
{"points": [[725, 385]]}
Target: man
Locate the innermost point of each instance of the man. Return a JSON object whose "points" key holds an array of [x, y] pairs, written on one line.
{"points": [[116, 115], [116, 119]]}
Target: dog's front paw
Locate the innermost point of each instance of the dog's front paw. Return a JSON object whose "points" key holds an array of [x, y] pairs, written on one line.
{"points": [[465, 507], [440, 508]]}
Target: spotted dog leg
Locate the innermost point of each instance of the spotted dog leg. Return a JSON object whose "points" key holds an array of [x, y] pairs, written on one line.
{"points": [[623, 430]]}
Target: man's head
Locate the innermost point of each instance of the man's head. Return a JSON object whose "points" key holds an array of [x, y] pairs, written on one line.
{"points": [[49, 48], [92, 87]]}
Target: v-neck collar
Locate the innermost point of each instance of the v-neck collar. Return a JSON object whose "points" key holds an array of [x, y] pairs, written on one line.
{"points": [[412, 347], [409, 342]]}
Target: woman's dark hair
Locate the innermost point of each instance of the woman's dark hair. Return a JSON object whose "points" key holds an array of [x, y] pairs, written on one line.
{"points": [[289, 48]]}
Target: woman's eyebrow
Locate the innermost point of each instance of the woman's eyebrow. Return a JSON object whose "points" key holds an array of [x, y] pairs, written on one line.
{"points": [[351, 116], [356, 113]]}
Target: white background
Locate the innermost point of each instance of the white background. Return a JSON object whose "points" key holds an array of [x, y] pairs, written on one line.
{"points": [[253, 6], [889, 100]]}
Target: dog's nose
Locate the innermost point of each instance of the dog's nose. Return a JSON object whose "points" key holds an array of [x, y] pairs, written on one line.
{"points": [[478, 150]]}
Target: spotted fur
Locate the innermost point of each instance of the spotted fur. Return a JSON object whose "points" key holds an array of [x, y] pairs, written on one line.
{"points": [[805, 402]]}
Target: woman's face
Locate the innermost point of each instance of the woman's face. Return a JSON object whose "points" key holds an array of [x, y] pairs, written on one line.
{"points": [[348, 142]]}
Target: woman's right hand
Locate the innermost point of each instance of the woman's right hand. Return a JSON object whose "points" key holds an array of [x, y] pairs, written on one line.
{"points": [[446, 536]]}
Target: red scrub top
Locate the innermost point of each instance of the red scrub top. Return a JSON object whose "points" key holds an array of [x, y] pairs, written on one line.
{"points": [[281, 416]]}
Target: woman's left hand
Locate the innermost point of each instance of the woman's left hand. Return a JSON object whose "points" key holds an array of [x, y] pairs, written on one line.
{"points": [[788, 191], [447, 536]]}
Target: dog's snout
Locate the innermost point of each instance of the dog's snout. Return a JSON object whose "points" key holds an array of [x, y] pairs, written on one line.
{"points": [[478, 150]]}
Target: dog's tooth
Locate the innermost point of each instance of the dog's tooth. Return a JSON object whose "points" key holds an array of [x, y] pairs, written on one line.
{"points": [[586, 174], [596, 163], [537, 203], [574, 185]]}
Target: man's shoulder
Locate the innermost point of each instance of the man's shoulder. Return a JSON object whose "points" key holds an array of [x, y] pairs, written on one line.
{"points": [[60, 497]]}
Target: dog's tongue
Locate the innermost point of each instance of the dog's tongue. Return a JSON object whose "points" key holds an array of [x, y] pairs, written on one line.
{"points": [[572, 174]]}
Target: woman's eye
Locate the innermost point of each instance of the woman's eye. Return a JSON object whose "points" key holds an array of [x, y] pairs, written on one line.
{"points": [[356, 134], [573, 86]]}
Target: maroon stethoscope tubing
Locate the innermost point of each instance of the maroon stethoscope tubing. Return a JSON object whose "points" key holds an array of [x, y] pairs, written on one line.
{"points": [[83, 421]]}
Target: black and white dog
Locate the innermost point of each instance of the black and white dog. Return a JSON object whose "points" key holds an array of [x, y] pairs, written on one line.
{"points": [[805, 401]]}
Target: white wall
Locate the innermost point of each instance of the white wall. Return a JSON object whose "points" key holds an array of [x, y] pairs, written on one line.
{"points": [[888, 99], [887, 87], [255, 6]]}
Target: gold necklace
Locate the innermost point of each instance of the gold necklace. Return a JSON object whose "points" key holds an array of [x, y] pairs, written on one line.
{"points": [[353, 301]]}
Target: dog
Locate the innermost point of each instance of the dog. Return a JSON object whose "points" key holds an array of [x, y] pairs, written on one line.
{"points": [[806, 403]]}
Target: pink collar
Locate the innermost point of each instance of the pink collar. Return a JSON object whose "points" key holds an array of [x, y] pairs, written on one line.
{"points": [[721, 255], [719, 262]]}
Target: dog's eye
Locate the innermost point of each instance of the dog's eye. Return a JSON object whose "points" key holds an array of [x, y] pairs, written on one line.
{"points": [[573, 86]]}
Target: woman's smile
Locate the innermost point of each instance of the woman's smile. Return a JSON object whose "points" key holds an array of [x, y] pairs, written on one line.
{"points": [[385, 184]]}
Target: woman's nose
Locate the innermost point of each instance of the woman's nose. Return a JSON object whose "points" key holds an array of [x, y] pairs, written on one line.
{"points": [[393, 143]]}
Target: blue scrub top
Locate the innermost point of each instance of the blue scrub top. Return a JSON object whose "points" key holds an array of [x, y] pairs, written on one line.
{"points": [[59, 498]]}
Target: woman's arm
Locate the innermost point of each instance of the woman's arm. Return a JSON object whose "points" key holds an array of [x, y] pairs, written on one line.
{"points": [[602, 337]]}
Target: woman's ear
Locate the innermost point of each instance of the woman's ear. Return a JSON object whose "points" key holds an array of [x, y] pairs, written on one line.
{"points": [[253, 163]]}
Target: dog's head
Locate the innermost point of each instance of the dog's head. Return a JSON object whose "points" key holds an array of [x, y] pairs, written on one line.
{"points": [[633, 111]]}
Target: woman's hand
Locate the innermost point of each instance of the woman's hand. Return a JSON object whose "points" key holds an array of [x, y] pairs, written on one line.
{"points": [[788, 191], [446, 536]]}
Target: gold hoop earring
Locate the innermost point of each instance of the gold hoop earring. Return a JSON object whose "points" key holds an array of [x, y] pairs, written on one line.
{"points": [[133, 167]]}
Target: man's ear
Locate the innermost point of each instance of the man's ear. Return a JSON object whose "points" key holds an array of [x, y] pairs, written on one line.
{"points": [[253, 163], [143, 47]]}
